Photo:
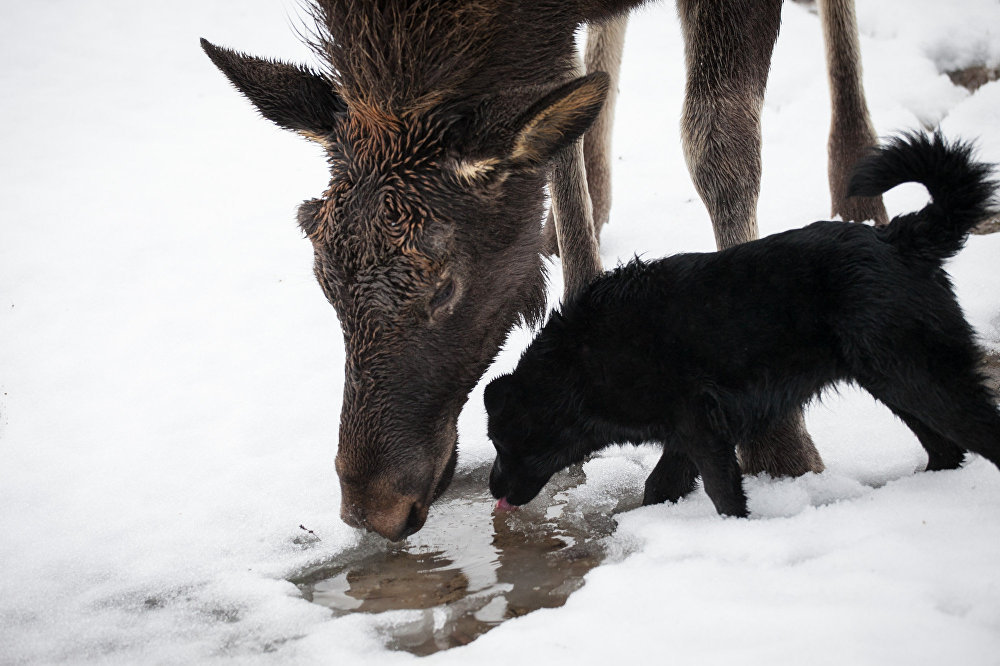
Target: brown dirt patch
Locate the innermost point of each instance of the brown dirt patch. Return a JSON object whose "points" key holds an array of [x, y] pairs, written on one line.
{"points": [[972, 78], [990, 226], [992, 370]]}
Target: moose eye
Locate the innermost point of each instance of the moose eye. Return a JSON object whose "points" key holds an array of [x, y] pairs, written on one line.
{"points": [[442, 296], [389, 212]]}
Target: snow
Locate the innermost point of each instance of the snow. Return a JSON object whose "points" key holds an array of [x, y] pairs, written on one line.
{"points": [[170, 375]]}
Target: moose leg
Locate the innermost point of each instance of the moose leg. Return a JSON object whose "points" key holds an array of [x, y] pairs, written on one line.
{"points": [[574, 224], [851, 131], [728, 54], [605, 43], [786, 449]]}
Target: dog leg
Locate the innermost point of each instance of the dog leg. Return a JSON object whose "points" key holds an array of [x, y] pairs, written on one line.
{"points": [[951, 418], [673, 477], [720, 475], [942, 453], [944, 398], [977, 427]]}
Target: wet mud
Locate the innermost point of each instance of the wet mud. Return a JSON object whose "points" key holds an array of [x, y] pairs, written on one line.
{"points": [[470, 568]]}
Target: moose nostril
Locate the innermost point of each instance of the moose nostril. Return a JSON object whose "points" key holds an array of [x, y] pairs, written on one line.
{"points": [[395, 522], [414, 520]]}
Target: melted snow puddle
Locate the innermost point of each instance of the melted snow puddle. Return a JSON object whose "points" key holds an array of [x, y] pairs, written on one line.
{"points": [[467, 570]]}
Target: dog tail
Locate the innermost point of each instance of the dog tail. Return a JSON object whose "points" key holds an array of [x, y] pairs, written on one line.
{"points": [[962, 192]]}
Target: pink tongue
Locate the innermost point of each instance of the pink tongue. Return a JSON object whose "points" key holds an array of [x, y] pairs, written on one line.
{"points": [[504, 505]]}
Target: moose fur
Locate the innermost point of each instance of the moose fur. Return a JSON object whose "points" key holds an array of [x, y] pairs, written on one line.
{"points": [[442, 121], [703, 351]]}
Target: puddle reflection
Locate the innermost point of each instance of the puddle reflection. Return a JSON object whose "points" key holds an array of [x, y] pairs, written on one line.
{"points": [[468, 570]]}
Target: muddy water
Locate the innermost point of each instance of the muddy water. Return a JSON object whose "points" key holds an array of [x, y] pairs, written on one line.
{"points": [[468, 569]]}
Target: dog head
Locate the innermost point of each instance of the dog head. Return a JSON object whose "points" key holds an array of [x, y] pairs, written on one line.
{"points": [[523, 465], [536, 418]]}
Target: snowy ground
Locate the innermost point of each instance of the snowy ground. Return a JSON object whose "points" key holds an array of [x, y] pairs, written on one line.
{"points": [[170, 375]]}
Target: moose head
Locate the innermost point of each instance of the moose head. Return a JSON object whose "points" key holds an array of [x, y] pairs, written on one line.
{"points": [[427, 240]]}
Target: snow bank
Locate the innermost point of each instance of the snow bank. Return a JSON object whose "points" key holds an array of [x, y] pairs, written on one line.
{"points": [[170, 375]]}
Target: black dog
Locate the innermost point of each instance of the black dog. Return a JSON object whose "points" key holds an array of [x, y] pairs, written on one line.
{"points": [[703, 351]]}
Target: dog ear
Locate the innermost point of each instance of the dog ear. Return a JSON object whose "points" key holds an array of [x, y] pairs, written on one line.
{"points": [[498, 393]]}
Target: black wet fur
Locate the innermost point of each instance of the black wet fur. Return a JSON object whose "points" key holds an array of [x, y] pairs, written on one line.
{"points": [[703, 351]]}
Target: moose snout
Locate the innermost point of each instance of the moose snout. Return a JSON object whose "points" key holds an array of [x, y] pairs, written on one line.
{"points": [[394, 517], [389, 498]]}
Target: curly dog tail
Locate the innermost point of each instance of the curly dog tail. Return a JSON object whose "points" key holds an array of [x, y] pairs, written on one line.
{"points": [[961, 189]]}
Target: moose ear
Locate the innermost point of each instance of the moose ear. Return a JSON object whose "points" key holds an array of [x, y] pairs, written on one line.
{"points": [[290, 96], [558, 119]]}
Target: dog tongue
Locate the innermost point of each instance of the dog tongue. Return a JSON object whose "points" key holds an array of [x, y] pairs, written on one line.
{"points": [[504, 505]]}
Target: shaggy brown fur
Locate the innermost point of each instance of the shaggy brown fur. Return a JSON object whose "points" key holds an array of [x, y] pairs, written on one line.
{"points": [[443, 120]]}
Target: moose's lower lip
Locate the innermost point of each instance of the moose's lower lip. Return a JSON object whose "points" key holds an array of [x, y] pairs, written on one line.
{"points": [[447, 474]]}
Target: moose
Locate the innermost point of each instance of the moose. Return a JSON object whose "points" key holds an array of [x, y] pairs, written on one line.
{"points": [[443, 121]]}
